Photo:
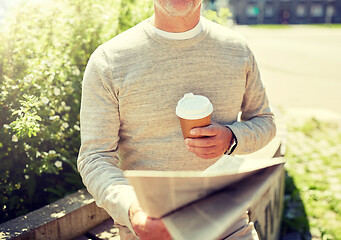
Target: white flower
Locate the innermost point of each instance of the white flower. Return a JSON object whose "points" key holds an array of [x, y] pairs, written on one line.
{"points": [[28, 78], [15, 138], [58, 164], [65, 125], [75, 71], [52, 152], [45, 100], [76, 127], [56, 91], [55, 117], [27, 177]]}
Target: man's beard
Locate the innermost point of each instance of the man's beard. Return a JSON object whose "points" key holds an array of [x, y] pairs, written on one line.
{"points": [[170, 7]]}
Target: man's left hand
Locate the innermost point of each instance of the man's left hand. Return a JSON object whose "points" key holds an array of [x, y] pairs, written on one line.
{"points": [[213, 142]]}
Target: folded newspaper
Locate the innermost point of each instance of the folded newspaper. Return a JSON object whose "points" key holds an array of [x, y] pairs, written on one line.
{"points": [[203, 204]]}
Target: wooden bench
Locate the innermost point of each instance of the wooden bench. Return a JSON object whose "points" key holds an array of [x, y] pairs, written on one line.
{"points": [[77, 216], [67, 218]]}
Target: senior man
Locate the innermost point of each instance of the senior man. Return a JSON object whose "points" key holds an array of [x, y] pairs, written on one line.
{"points": [[130, 90]]}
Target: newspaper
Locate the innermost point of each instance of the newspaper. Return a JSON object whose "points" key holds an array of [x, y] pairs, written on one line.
{"points": [[203, 205]]}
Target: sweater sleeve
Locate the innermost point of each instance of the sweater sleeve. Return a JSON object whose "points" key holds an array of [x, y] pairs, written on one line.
{"points": [[257, 126], [98, 159]]}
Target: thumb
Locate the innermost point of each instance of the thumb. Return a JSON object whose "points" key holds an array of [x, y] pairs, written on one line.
{"points": [[210, 130]]}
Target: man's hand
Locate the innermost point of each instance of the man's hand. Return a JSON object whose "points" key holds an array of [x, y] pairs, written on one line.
{"points": [[145, 227], [214, 141]]}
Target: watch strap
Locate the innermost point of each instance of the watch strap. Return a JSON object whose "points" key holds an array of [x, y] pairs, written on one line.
{"points": [[233, 144]]}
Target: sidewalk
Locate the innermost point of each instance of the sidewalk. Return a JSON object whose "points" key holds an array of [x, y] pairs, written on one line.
{"points": [[299, 65]]}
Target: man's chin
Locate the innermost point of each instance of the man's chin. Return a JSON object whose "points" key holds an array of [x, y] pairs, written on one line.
{"points": [[180, 9]]}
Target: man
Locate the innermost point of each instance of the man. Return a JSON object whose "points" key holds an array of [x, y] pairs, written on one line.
{"points": [[131, 87]]}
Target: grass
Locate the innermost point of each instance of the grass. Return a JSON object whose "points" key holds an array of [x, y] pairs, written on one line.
{"points": [[313, 182]]}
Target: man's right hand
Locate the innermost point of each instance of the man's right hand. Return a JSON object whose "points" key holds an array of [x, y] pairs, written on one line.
{"points": [[147, 228]]}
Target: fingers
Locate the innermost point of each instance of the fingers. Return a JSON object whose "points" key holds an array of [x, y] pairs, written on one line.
{"points": [[205, 147], [208, 131], [213, 142], [201, 142], [154, 230], [206, 152], [145, 227], [150, 229]]}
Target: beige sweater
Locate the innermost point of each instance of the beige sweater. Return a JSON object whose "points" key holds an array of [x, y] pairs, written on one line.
{"points": [[131, 87]]}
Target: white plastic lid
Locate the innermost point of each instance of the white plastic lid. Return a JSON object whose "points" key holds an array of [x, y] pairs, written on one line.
{"points": [[194, 107]]}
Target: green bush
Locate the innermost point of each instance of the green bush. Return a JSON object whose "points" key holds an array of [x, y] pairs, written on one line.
{"points": [[44, 50], [222, 16]]}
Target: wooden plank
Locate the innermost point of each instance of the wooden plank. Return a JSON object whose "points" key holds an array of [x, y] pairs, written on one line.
{"points": [[105, 231], [67, 218], [83, 237]]}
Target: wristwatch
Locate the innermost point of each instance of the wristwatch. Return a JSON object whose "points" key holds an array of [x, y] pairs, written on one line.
{"points": [[233, 144]]}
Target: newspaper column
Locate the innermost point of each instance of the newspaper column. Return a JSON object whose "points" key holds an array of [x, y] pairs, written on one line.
{"points": [[266, 212]]}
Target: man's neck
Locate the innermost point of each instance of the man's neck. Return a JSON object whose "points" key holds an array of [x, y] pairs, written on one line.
{"points": [[175, 23]]}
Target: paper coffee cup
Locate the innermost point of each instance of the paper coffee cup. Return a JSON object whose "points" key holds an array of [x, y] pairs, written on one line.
{"points": [[193, 111]]}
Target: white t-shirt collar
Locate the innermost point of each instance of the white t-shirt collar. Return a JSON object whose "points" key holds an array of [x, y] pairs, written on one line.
{"points": [[182, 35]]}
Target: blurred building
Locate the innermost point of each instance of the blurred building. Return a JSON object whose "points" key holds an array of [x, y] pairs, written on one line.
{"points": [[285, 11]]}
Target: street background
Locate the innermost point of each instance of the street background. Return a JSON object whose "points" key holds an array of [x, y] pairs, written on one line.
{"points": [[300, 66]]}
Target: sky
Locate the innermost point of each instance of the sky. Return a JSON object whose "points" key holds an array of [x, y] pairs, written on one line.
{"points": [[5, 5]]}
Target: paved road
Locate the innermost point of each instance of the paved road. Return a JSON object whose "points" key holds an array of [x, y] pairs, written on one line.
{"points": [[300, 65]]}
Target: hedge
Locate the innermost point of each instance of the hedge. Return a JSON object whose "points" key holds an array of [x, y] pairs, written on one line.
{"points": [[44, 49]]}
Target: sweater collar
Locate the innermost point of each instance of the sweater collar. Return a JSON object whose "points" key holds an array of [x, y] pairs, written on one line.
{"points": [[203, 27], [182, 35]]}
